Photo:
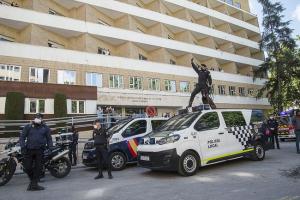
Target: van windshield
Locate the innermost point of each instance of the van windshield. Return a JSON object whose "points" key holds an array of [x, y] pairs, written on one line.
{"points": [[178, 122], [118, 126]]}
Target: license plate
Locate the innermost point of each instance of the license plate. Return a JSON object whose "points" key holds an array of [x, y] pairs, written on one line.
{"points": [[145, 158], [84, 156]]}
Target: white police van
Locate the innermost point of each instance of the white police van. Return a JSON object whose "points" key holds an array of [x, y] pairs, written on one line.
{"points": [[188, 141]]}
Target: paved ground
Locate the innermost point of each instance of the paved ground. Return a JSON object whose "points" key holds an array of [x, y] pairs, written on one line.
{"points": [[235, 180]]}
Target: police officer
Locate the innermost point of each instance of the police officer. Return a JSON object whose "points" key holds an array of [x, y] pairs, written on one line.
{"points": [[203, 85], [73, 146], [101, 139], [33, 140], [273, 126]]}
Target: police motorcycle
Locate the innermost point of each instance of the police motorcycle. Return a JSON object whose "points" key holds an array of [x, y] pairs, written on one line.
{"points": [[54, 161]]}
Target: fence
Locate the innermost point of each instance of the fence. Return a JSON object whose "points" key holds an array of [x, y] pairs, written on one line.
{"points": [[12, 128]]}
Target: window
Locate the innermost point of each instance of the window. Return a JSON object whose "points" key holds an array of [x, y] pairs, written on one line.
{"points": [[170, 86], [184, 86], [66, 77], [93, 79], [231, 90], [221, 89], [140, 30], [251, 92], [37, 106], [234, 118], [242, 91], [77, 107], [56, 45], [6, 38], [99, 21], [103, 51], [208, 121], [257, 116], [4, 3], [38, 75], [142, 57], [136, 128], [156, 123], [172, 62], [170, 37], [135, 83], [116, 81], [10, 72], [154, 84], [53, 12]]}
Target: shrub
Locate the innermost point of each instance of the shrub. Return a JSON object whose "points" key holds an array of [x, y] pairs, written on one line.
{"points": [[60, 105], [14, 106]]}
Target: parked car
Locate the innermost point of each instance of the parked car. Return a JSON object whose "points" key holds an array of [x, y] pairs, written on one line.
{"points": [[190, 140], [286, 129], [124, 141]]}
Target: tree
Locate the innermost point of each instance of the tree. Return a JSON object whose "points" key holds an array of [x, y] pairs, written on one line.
{"points": [[281, 63], [60, 105], [14, 106]]}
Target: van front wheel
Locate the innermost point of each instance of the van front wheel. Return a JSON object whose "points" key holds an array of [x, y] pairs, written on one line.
{"points": [[188, 164]]}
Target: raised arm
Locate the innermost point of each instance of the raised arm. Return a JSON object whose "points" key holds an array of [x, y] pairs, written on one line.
{"points": [[195, 67], [209, 79]]}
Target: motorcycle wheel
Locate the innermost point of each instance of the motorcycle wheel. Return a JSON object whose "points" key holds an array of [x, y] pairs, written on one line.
{"points": [[60, 168], [7, 170]]}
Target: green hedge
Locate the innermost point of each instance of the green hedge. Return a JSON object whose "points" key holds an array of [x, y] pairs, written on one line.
{"points": [[60, 105], [14, 106]]}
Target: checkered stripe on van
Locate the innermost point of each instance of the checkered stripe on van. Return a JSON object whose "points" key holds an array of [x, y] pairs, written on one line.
{"points": [[242, 134]]}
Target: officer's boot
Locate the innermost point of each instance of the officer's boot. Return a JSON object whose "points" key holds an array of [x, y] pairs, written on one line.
{"points": [[100, 175], [29, 186], [35, 186], [110, 175]]}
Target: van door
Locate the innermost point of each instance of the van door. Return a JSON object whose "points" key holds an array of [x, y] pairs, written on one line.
{"points": [[132, 134], [211, 136], [237, 139]]}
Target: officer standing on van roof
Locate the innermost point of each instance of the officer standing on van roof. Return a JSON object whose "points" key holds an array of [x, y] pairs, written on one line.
{"points": [[33, 140], [203, 85], [101, 142]]}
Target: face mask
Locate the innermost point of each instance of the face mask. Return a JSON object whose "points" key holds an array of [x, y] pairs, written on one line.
{"points": [[271, 117], [37, 121], [95, 126]]}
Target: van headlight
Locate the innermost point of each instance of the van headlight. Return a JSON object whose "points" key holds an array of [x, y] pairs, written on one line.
{"points": [[167, 140]]}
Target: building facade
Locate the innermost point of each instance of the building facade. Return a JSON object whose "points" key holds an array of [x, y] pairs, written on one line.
{"points": [[136, 52]]}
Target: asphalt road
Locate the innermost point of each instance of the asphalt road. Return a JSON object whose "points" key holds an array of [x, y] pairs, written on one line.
{"points": [[234, 180]]}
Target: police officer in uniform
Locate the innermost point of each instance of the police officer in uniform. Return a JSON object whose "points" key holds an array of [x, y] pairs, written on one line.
{"points": [[73, 146], [203, 85], [273, 126], [33, 141], [101, 143]]}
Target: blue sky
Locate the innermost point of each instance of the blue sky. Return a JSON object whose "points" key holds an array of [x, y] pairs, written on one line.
{"points": [[292, 12]]}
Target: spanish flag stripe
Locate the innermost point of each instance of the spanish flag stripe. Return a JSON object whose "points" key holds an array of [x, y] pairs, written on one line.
{"points": [[132, 148]]}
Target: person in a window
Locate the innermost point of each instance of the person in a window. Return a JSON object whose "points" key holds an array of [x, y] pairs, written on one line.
{"points": [[203, 85], [101, 142]]}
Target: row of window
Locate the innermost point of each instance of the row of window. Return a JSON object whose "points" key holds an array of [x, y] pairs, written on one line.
{"points": [[42, 75], [38, 106]]}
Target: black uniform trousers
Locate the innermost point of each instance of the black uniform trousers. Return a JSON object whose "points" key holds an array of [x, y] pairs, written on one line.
{"points": [[73, 153], [274, 138], [103, 159], [197, 90], [33, 164]]}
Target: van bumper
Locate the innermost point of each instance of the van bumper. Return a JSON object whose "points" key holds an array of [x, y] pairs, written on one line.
{"points": [[163, 160]]}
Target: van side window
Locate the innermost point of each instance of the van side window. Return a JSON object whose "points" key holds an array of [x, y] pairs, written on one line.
{"points": [[208, 121], [136, 128], [257, 116], [156, 123], [234, 118]]}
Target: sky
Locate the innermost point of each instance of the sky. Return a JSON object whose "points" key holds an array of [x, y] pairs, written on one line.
{"points": [[292, 13]]}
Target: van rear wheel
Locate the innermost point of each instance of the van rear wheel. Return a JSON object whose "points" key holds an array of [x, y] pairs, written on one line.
{"points": [[188, 164], [258, 153]]}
